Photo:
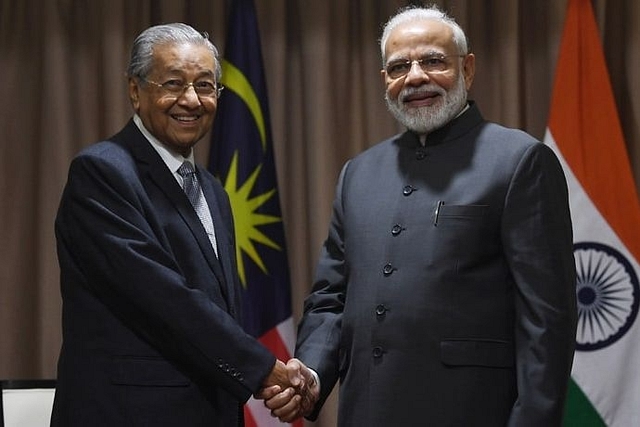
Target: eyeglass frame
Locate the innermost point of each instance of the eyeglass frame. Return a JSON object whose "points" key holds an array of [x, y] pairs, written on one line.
{"points": [[218, 88], [420, 62]]}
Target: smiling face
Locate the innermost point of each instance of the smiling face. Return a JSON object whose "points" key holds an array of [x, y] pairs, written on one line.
{"points": [[177, 121], [424, 100]]}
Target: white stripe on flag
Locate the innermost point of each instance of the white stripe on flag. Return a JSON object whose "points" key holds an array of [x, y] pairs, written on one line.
{"points": [[287, 333], [607, 376]]}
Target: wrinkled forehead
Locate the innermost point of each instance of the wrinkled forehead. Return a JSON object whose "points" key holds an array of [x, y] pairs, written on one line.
{"points": [[420, 35], [183, 56]]}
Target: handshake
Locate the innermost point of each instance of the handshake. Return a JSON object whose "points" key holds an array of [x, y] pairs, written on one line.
{"points": [[290, 391]]}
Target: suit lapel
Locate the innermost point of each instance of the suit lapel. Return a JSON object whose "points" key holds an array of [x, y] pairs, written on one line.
{"points": [[152, 165], [223, 238]]}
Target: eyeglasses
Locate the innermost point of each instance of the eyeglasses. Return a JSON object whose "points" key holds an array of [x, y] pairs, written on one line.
{"points": [[176, 87], [430, 64]]}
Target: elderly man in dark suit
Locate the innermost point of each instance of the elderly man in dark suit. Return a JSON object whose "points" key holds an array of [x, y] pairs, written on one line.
{"points": [[148, 271], [445, 291]]}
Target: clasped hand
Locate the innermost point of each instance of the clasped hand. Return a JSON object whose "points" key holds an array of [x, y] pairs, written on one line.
{"points": [[290, 391]]}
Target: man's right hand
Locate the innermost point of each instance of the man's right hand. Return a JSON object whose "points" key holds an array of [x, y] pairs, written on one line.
{"points": [[294, 397]]}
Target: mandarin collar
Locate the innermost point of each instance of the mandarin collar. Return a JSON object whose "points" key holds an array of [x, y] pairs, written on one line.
{"points": [[450, 131]]}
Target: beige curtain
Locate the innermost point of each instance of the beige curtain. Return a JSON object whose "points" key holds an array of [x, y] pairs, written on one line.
{"points": [[62, 66]]}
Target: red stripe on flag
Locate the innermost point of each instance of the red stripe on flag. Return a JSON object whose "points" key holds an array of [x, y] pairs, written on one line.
{"points": [[249, 421], [273, 341], [584, 123]]}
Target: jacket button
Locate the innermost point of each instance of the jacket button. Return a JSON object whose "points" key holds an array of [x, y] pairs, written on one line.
{"points": [[396, 229], [407, 190], [421, 154], [381, 309], [387, 269], [377, 352]]}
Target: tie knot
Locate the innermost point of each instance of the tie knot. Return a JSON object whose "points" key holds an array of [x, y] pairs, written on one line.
{"points": [[186, 169]]}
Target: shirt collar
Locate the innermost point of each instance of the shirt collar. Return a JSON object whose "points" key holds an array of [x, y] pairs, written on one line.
{"points": [[171, 159]]}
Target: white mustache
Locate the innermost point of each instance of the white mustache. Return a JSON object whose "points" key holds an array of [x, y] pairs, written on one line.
{"points": [[421, 90]]}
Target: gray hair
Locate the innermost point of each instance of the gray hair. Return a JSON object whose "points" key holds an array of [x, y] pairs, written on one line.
{"points": [[141, 60], [416, 13]]}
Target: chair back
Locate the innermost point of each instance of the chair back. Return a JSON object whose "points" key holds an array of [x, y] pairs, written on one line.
{"points": [[26, 403]]}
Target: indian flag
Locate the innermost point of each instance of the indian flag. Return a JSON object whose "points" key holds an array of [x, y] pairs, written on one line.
{"points": [[584, 130]]}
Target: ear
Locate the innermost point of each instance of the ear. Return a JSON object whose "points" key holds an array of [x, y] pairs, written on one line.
{"points": [[383, 75], [134, 93], [469, 69]]}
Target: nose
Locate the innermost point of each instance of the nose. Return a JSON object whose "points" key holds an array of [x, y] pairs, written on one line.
{"points": [[416, 74], [189, 96]]}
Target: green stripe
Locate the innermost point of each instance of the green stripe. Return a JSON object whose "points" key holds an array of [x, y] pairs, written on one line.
{"points": [[233, 79], [579, 412]]}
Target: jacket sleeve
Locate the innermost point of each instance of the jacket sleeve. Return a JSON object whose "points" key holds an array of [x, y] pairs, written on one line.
{"points": [[537, 238], [318, 343]]}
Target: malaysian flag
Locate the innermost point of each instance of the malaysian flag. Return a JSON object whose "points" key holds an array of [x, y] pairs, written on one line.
{"points": [[242, 157]]}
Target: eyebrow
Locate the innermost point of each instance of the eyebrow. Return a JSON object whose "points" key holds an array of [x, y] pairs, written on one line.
{"points": [[422, 55], [204, 73]]}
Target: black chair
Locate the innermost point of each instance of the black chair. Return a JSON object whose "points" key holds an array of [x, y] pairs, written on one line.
{"points": [[26, 403]]}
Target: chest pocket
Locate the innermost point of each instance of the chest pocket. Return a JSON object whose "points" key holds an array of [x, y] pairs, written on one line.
{"points": [[464, 234], [451, 215]]}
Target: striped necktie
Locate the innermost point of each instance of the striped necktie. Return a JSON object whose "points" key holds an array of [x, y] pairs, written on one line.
{"points": [[191, 187]]}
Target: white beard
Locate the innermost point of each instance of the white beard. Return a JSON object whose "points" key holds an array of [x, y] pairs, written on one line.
{"points": [[424, 120]]}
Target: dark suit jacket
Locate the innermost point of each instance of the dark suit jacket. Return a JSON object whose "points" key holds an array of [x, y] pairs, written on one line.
{"points": [[150, 316], [445, 292]]}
